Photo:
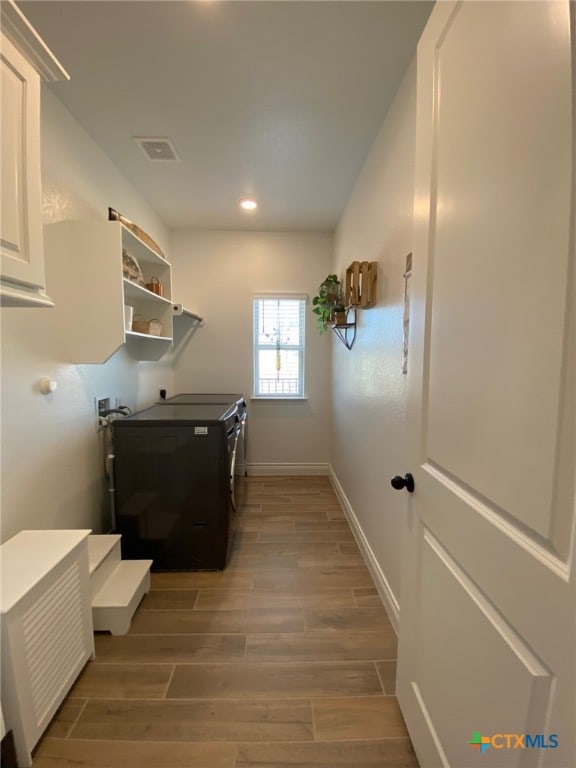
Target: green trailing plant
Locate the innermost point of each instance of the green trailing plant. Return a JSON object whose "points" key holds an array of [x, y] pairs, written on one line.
{"points": [[327, 301]]}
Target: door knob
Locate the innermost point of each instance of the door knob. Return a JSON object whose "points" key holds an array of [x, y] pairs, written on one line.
{"points": [[403, 482]]}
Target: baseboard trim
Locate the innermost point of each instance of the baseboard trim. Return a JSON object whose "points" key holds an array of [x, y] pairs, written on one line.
{"points": [[287, 469], [380, 580]]}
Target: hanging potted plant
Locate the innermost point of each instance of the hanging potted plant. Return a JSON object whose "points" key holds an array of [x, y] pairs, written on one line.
{"points": [[340, 315], [328, 301]]}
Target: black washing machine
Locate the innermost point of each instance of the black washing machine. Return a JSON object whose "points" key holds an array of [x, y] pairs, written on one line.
{"points": [[239, 462], [172, 467]]}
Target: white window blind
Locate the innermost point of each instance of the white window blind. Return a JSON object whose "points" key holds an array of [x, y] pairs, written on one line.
{"points": [[279, 337]]}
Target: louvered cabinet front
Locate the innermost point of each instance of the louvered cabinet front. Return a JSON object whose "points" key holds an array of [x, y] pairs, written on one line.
{"points": [[46, 628]]}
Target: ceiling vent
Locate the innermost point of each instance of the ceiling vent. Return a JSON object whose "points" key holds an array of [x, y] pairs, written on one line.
{"points": [[157, 148]]}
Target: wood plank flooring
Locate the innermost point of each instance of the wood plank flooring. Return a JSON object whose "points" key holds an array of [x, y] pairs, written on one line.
{"points": [[286, 659]]}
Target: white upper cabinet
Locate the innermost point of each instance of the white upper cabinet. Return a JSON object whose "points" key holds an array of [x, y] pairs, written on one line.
{"points": [[25, 61]]}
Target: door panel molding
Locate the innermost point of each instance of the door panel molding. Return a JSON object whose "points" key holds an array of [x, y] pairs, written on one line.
{"points": [[477, 173], [434, 738], [461, 630], [498, 517], [530, 661]]}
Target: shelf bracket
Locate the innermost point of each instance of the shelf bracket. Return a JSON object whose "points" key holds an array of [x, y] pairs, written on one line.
{"points": [[346, 332]]}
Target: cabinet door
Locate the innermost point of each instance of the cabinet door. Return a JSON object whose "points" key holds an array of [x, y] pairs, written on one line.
{"points": [[21, 210]]}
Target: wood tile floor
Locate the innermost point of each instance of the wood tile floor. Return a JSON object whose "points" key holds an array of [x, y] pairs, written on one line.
{"points": [[286, 659]]}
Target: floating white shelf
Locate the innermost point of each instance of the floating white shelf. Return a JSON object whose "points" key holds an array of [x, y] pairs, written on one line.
{"points": [[86, 275]]}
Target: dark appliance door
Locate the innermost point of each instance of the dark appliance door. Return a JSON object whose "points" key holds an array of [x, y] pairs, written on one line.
{"points": [[173, 499], [196, 398]]}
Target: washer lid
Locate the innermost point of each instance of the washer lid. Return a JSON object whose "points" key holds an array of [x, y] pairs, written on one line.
{"points": [[178, 414], [205, 397]]}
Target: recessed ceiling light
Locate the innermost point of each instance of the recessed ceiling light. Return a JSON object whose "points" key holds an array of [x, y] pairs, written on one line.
{"points": [[248, 204]]}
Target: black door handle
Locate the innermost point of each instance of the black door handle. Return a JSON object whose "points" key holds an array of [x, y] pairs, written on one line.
{"points": [[403, 482]]}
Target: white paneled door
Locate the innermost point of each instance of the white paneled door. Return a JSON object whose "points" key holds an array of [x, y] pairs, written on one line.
{"points": [[488, 605]]}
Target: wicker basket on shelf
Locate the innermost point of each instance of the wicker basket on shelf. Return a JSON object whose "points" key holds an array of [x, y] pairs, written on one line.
{"points": [[141, 326]]}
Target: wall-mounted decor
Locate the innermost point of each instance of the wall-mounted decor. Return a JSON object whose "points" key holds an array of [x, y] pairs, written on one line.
{"points": [[337, 308], [407, 275], [360, 288]]}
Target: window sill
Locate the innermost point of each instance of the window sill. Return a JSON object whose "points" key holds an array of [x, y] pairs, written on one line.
{"points": [[279, 399]]}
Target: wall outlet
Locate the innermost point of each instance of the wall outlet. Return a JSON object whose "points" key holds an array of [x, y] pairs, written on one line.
{"points": [[100, 404]]}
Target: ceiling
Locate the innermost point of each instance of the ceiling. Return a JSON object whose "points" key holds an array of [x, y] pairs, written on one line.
{"points": [[280, 100]]}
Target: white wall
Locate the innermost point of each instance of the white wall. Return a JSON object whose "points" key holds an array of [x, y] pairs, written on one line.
{"points": [[216, 275], [52, 474], [369, 389]]}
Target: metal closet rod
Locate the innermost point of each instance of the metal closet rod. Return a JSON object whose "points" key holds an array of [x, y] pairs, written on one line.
{"points": [[179, 310]]}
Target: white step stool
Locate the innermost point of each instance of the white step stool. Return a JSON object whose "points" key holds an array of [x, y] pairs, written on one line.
{"points": [[117, 586]]}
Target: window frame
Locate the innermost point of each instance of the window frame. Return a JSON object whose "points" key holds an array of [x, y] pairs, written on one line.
{"points": [[257, 300]]}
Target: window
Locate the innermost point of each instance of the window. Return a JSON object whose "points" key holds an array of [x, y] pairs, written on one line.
{"points": [[279, 346]]}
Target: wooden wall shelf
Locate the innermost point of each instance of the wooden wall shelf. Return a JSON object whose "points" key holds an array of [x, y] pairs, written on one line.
{"points": [[360, 285]]}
